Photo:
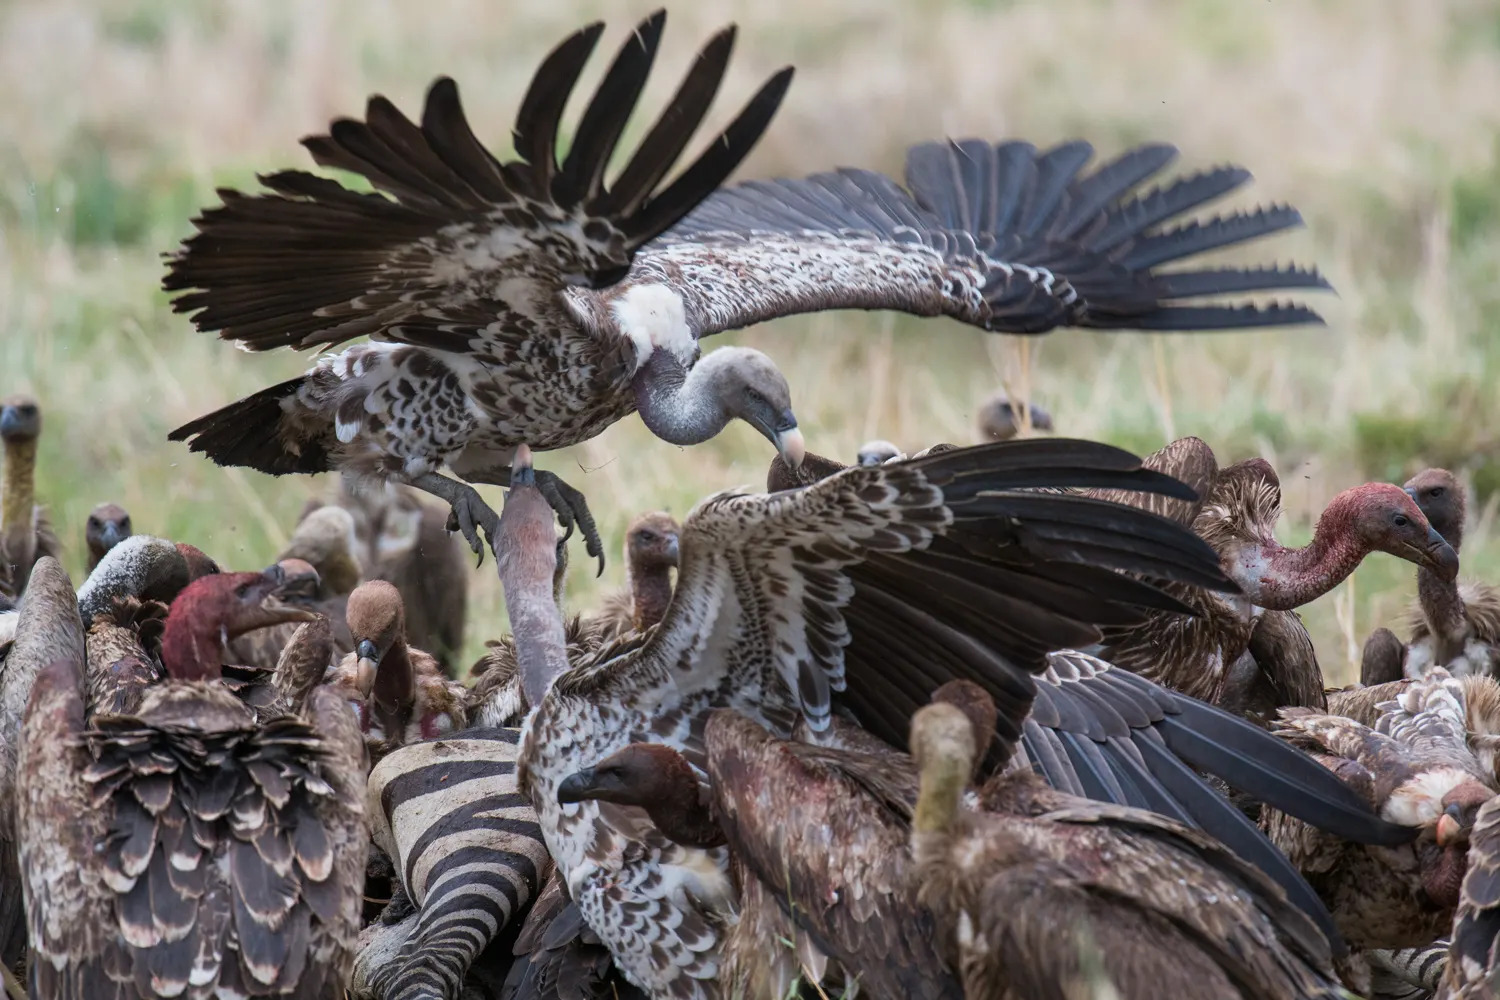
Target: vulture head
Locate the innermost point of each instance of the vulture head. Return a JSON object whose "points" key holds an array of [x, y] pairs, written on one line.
{"points": [[108, 525], [749, 386], [690, 405], [945, 752], [1441, 498], [325, 538], [656, 778], [376, 616], [877, 452], [1000, 420], [214, 609], [1443, 847], [198, 562], [20, 419], [651, 542], [1384, 518]]}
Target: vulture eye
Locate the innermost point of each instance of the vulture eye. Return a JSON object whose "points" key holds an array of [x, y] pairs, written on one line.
{"points": [[1400, 521], [93, 522], [1436, 491]]}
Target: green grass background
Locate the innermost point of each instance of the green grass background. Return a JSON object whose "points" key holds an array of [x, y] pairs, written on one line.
{"points": [[1377, 118]]}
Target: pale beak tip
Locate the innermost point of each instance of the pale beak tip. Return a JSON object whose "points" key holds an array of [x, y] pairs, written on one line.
{"points": [[789, 444], [1448, 830]]}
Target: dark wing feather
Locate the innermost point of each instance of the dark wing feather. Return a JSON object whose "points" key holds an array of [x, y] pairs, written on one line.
{"points": [[1001, 236], [311, 262], [1473, 955]]}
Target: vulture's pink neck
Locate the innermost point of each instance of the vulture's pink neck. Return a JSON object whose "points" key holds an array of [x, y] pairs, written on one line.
{"points": [[1280, 579]]}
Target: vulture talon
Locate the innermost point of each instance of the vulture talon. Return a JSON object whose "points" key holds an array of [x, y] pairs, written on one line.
{"points": [[469, 514], [572, 510]]}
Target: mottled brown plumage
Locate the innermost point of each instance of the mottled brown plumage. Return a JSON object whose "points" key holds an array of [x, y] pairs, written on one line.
{"points": [[218, 854], [108, 525], [808, 828], [865, 602], [527, 302], [124, 655], [48, 628], [25, 533], [1415, 767], [1021, 891], [261, 899], [1473, 971]]}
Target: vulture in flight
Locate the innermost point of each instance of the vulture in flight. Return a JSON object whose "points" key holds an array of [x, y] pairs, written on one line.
{"points": [[531, 300]]}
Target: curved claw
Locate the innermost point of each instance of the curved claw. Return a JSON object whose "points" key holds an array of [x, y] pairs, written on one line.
{"points": [[572, 509]]}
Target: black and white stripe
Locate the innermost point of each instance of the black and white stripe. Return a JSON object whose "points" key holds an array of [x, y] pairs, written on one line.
{"points": [[469, 854], [1408, 973]]}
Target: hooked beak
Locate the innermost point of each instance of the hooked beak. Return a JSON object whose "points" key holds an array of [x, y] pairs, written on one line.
{"points": [[1437, 555], [673, 550], [1450, 828], [789, 444], [366, 666], [273, 605], [12, 424], [577, 787], [110, 535]]}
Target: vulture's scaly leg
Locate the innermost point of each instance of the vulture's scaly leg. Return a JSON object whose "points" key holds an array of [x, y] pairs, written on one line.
{"points": [[571, 506], [470, 513]]}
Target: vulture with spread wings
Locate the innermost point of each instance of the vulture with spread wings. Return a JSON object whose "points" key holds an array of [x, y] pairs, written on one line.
{"points": [[533, 301]]}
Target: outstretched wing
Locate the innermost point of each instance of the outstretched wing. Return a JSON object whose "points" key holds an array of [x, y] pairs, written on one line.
{"points": [[883, 582], [1002, 236], [463, 237]]}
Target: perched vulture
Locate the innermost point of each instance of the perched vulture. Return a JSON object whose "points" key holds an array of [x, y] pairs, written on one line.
{"points": [[25, 533], [1455, 625]]}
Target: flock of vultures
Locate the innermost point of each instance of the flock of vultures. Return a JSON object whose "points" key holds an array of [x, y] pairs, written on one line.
{"points": [[1033, 718]]}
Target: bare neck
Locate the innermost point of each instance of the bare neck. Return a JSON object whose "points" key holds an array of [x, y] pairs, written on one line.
{"points": [[685, 818], [192, 647], [678, 405], [1447, 617], [650, 593], [395, 690], [18, 489], [1280, 579], [536, 625]]}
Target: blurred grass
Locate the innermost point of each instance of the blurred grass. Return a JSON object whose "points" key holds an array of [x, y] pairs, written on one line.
{"points": [[1377, 118]]}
